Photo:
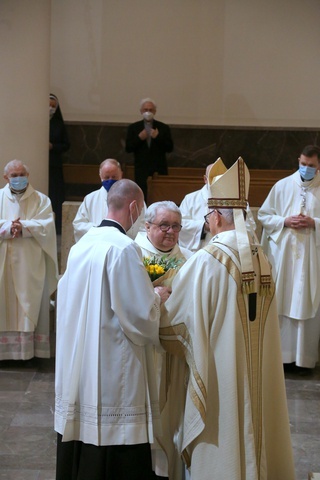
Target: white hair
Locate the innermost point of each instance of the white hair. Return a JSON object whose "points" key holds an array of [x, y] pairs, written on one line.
{"points": [[14, 164], [145, 100], [152, 210], [227, 214]]}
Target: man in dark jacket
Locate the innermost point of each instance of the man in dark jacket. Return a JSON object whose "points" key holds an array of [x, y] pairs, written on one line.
{"points": [[149, 141]]}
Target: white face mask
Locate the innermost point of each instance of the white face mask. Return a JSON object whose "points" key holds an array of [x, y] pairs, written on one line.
{"points": [[52, 111], [148, 116], [135, 226]]}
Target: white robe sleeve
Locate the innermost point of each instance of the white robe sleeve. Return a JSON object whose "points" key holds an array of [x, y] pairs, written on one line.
{"points": [[190, 235], [81, 223], [271, 220]]}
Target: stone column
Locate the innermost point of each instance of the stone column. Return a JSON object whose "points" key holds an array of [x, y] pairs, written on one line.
{"points": [[24, 86]]}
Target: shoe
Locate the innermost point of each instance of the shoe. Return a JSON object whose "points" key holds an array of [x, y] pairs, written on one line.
{"points": [[304, 371], [289, 367]]}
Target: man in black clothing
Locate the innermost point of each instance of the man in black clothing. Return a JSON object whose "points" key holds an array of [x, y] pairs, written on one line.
{"points": [[149, 140]]}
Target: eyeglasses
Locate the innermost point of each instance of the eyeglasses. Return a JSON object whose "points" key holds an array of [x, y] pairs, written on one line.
{"points": [[165, 227], [207, 215]]}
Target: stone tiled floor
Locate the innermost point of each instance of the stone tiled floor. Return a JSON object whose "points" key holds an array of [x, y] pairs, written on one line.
{"points": [[28, 442], [27, 439]]}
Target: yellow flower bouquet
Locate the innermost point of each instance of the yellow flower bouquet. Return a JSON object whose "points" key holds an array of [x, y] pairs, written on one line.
{"points": [[162, 270]]}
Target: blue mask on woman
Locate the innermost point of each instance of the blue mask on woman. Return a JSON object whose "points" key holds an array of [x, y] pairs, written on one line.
{"points": [[108, 183], [18, 183]]}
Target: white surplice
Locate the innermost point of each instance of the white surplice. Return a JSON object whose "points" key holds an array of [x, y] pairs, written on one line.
{"points": [[107, 324], [295, 258], [193, 208], [149, 250], [236, 422], [28, 274], [91, 212]]}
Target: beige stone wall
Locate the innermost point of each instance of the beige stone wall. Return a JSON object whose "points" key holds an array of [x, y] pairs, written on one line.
{"points": [[24, 87], [222, 62]]}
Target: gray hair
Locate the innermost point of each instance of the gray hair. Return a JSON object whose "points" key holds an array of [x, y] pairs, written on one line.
{"points": [[152, 210], [148, 99], [14, 164], [227, 214]]}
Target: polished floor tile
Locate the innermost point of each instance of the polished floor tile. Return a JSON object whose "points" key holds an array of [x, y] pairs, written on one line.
{"points": [[28, 442], [27, 439]]}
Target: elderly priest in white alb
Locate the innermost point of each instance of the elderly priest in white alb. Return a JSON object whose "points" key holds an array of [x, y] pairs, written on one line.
{"points": [[28, 266]]}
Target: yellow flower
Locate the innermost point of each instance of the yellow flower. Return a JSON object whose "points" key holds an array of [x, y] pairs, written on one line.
{"points": [[156, 267], [159, 270]]}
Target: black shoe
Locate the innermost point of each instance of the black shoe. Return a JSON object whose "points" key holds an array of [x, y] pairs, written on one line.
{"points": [[304, 372], [289, 367]]}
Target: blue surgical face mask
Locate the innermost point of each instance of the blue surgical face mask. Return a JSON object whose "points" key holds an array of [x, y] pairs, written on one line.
{"points": [[108, 183], [18, 183], [307, 173]]}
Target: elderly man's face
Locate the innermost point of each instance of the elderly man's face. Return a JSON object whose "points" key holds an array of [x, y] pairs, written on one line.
{"points": [[17, 171], [163, 240], [148, 107]]}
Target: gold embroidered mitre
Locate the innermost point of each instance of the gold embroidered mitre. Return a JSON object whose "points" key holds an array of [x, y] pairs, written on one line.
{"points": [[228, 188], [217, 169]]}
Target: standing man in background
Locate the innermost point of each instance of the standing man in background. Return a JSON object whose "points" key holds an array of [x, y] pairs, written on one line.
{"points": [[290, 217], [149, 140], [93, 209]]}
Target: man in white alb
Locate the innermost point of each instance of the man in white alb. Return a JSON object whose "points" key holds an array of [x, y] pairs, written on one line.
{"points": [[28, 266], [106, 409], [93, 209], [291, 238]]}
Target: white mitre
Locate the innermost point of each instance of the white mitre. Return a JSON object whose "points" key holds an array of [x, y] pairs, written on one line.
{"points": [[229, 188]]}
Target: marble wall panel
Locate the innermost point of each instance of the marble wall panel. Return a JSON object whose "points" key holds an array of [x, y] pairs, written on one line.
{"points": [[196, 146]]}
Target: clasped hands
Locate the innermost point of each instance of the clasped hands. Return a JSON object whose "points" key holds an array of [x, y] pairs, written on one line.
{"points": [[163, 292], [297, 222], [16, 228], [143, 135]]}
